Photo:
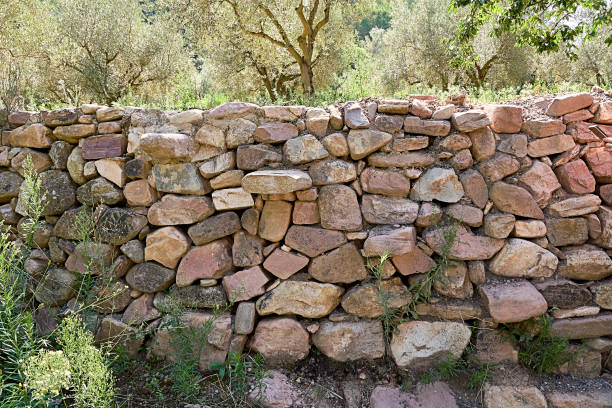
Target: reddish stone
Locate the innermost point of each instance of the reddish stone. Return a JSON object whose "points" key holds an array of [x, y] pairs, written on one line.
{"points": [[541, 182], [313, 241], [339, 208], [543, 127], [233, 110], [210, 261], [604, 114], [275, 219], [139, 193], [605, 192], [342, 265], [396, 242], [582, 114], [581, 133], [176, 210], [511, 301], [505, 118], [246, 284], [306, 213], [109, 127], [466, 246], [575, 177], [600, 162], [411, 159], [281, 340], [166, 245], [275, 132], [415, 261], [550, 145], [140, 310], [515, 200], [413, 124], [483, 144], [569, 103], [247, 249], [385, 182], [475, 187], [283, 264], [498, 167]]}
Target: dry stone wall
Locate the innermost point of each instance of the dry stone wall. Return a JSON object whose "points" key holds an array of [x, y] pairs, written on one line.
{"points": [[279, 207]]}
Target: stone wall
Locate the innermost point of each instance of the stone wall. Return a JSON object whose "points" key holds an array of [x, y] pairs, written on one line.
{"points": [[279, 207]]}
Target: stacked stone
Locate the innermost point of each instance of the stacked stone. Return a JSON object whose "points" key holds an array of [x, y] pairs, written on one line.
{"points": [[279, 207]]}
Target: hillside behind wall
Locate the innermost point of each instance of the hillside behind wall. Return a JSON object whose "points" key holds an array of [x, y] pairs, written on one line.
{"points": [[280, 206]]}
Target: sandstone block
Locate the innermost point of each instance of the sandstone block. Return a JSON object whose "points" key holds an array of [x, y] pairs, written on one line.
{"points": [[178, 210], [515, 200], [281, 340], [276, 181], [210, 261], [339, 208], [313, 241], [215, 227], [245, 284], [523, 259], [438, 184], [378, 209], [232, 199], [344, 341], [342, 265], [166, 245], [283, 264], [505, 118], [308, 299], [512, 300]]}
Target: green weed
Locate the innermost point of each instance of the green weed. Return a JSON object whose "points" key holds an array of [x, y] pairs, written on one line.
{"points": [[238, 373]]}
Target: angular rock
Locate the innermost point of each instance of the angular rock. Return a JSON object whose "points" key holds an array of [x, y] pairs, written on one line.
{"points": [[247, 250], [107, 114], [483, 144], [569, 103], [281, 340], [210, 261], [139, 193], [116, 226], [515, 145], [550, 145], [362, 142], [543, 127], [140, 310], [541, 182], [515, 200], [384, 182], [214, 228], [513, 397], [245, 284], [274, 221], [339, 208], [403, 160], [575, 206], [342, 265], [317, 121], [41, 162], [56, 288], [466, 246], [239, 132], [308, 299], [406, 144], [304, 149], [563, 293], [474, 187], [180, 178], [35, 135], [275, 132], [336, 144], [231, 178], [166, 245], [119, 335], [602, 293], [395, 242], [575, 177], [505, 118], [218, 164], [178, 210], [332, 172], [600, 162], [283, 264], [365, 300], [566, 231], [73, 133], [233, 110], [168, 146], [511, 301], [585, 262], [523, 259], [456, 282], [276, 181], [583, 327], [413, 124], [313, 241], [466, 214], [379, 209], [253, 157], [232, 199], [349, 341], [420, 345], [529, 229], [438, 184], [498, 167], [90, 258], [150, 277], [9, 186], [112, 169], [98, 191], [415, 261], [470, 120], [306, 213]]}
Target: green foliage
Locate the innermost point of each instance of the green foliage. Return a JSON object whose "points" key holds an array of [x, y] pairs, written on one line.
{"points": [[476, 373], [545, 25], [47, 375], [539, 350], [391, 316], [239, 372], [92, 382], [422, 287]]}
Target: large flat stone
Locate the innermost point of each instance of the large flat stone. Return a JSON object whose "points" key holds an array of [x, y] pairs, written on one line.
{"points": [[276, 181], [342, 265], [349, 341], [520, 258], [308, 299], [511, 301], [379, 209], [466, 246], [313, 241]]}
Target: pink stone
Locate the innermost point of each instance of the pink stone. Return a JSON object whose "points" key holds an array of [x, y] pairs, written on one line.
{"points": [[166, 245], [505, 118], [313, 241], [475, 187], [377, 181], [569, 103], [515, 200], [604, 114], [396, 242], [605, 192], [415, 261], [246, 284], [140, 310], [541, 182], [275, 132], [600, 162], [306, 213], [281, 340], [575, 177], [466, 246], [511, 301], [283, 264], [582, 114], [543, 127], [210, 261]]}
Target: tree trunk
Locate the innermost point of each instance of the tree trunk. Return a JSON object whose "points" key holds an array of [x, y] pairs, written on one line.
{"points": [[306, 76]]}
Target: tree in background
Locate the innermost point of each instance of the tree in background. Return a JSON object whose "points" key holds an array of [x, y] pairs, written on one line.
{"points": [[546, 25], [104, 49], [303, 33]]}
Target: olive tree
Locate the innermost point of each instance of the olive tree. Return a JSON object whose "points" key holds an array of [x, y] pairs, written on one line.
{"points": [[107, 48]]}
